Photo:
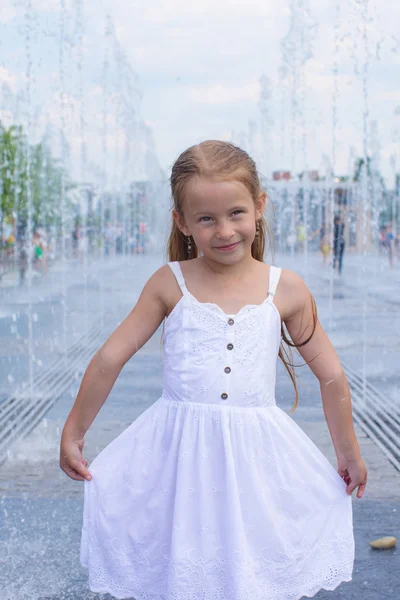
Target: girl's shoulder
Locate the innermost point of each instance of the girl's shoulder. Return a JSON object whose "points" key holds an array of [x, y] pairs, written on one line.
{"points": [[292, 293], [162, 279], [164, 285], [291, 280]]}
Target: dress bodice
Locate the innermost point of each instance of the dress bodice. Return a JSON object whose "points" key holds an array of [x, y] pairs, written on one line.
{"points": [[218, 358]]}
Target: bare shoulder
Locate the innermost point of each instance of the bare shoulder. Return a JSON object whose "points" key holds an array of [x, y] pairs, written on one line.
{"points": [[142, 322], [291, 281], [159, 283], [162, 276], [292, 295], [163, 287]]}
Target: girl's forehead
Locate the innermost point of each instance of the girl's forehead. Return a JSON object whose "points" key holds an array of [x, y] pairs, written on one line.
{"points": [[207, 193]]}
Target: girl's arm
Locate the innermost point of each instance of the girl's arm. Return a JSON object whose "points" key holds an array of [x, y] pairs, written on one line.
{"points": [[297, 313], [105, 366]]}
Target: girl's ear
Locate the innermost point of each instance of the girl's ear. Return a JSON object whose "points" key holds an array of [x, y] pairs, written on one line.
{"points": [[180, 222], [260, 205]]}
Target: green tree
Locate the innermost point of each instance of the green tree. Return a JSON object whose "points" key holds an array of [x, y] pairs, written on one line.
{"points": [[46, 178], [46, 181], [12, 172]]}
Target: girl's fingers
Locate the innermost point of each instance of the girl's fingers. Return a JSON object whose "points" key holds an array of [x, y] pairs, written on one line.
{"points": [[82, 470], [77, 471], [350, 488], [74, 475], [361, 490]]}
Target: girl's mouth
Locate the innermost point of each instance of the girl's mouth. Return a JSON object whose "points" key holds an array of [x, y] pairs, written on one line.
{"points": [[227, 248]]}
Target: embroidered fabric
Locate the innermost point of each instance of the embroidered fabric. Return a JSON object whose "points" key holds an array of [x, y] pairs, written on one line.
{"points": [[214, 493], [196, 352]]}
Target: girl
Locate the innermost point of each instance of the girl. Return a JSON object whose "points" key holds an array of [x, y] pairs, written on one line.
{"points": [[214, 492]]}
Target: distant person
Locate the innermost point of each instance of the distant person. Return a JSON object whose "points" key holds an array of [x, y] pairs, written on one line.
{"points": [[382, 240], [338, 244], [324, 242], [38, 253], [45, 250], [325, 248], [10, 244], [108, 238], [389, 243], [23, 261], [119, 239], [301, 237], [76, 233], [214, 491], [83, 246]]}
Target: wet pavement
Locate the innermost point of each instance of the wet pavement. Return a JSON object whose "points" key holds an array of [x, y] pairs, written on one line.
{"points": [[41, 509]]}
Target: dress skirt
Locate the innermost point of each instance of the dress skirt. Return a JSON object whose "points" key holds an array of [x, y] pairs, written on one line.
{"points": [[207, 502]]}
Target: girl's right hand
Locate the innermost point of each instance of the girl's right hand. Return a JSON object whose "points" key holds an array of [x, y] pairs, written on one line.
{"points": [[72, 461], [354, 473]]}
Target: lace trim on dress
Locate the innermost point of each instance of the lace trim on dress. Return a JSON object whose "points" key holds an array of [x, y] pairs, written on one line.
{"points": [[194, 577]]}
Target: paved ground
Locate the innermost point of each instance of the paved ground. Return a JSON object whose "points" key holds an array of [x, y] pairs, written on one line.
{"points": [[41, 508]]}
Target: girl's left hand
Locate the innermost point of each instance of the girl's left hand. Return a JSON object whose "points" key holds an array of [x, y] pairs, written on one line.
{"points": [[354, 473]]}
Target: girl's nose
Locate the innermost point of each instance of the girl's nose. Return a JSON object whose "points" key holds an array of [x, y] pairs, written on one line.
{"points": [[224, 231]]}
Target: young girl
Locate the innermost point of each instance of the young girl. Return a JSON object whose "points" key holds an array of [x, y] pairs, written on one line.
{"points": [[214, 492]]}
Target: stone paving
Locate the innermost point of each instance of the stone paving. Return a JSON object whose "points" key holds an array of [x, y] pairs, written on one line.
{"points": [[41, 508]]}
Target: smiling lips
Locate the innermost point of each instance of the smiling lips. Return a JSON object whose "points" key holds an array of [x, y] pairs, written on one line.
{"points": [[230, 247]]}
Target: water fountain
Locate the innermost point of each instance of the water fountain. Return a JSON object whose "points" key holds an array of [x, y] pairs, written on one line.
{"points": [[91, 201], [308, 202]]}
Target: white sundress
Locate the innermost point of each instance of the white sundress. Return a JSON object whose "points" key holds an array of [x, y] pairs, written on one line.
{"points": [[215, 493]]}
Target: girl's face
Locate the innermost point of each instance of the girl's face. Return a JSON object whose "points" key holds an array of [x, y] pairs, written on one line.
{"points": [[221, 217]]}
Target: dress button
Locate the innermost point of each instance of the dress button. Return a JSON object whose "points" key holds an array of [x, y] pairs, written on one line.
{"points": [[230, 321], [224, 396], [230, 346], [227, 369]]}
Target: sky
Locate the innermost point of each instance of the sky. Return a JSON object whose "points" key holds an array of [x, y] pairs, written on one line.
{"points": [[192, 72]]}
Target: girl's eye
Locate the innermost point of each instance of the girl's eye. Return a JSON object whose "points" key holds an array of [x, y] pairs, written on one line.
{"points": [[237, 212], [204, 219]]}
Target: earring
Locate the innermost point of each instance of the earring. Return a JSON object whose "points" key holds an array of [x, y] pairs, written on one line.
{"points": [[189, 246], [257, 229]]}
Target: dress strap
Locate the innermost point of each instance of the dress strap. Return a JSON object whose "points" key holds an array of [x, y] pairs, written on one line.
{"points": [[274, 275], [177, 271]]}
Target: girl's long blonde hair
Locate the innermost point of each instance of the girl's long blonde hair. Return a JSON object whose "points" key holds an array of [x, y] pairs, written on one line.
{"points": [[226, 162]]}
